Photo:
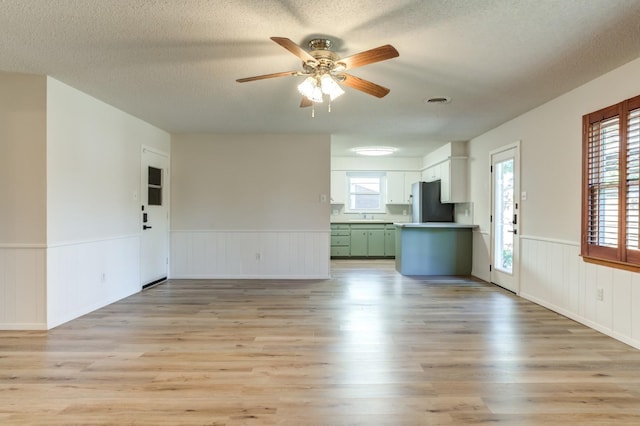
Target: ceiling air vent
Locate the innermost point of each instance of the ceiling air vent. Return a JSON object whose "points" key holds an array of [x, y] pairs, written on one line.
{"points": [[438, 100]]}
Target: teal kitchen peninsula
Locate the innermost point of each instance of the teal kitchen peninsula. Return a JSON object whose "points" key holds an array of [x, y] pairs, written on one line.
{"points": [[434, 248]]}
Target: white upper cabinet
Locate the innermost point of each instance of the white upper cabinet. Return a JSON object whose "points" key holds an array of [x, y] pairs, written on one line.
{"points": [[399, 186], [453, 181], [338, 187], [449, 164], [409, 179], [395, 188], [431, 173]]}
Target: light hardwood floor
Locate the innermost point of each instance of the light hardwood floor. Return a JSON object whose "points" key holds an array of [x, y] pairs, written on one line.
{"points": [[367, 347]]}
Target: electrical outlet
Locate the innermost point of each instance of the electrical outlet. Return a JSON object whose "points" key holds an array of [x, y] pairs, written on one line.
{"points": [[600, 294]]}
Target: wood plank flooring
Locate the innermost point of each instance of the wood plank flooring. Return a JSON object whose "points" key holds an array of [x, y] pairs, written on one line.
{"points": [[368, 347]]}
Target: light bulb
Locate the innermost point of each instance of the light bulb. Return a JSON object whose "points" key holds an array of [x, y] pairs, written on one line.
{"points": [[330, 87], [316, 96], [306, 88]]}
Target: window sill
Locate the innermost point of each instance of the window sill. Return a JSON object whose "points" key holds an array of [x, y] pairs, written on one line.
{"points": [[612, 263]]}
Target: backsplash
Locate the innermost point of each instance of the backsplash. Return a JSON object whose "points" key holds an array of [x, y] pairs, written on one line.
{"points": [[398, 213], [394, 213]]}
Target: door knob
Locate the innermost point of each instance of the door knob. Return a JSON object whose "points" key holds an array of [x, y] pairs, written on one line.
{"points": [[145, 227]]}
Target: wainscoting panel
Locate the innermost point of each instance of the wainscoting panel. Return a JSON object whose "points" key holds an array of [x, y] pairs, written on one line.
{"points": [[554, 275], [23, 287], [250, 254], [85, 276]]}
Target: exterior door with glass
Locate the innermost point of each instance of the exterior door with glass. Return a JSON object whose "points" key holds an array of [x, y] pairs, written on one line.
{"points": [[154, 240], [505, 164]]}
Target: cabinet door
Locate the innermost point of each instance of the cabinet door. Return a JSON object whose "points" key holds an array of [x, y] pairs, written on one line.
{"points": [[409, 179], [432, 173], [376, 242], [359, 242], [338, 187], [458, 185], [395, 188], [445, 182], [390, 242]]}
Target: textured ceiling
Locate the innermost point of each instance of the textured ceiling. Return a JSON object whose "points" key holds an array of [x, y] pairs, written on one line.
{"points": [[174, 63]]}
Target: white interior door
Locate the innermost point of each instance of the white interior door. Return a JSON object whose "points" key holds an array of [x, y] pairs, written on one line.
{"points": [[505, 165], [154, 217]]}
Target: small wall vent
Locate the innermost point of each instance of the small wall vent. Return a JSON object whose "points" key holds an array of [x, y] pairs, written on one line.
{"points": [[438, 100]]}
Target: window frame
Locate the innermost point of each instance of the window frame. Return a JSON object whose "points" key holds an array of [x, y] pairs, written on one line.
{"points": [[618, 255], [369, 174]]}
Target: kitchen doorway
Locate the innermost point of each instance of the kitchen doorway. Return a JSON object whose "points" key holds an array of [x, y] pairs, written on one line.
{"points": [[505, 216]]}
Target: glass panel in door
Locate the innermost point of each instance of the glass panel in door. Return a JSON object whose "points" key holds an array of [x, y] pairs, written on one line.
{"points": [[504, 215]]}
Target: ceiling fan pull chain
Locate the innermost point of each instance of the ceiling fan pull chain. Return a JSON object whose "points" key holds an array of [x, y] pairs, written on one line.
{"points": [[313, 110], [329, 105]]}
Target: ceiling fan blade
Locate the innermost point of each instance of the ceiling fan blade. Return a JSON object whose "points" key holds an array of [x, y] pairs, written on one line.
{"points": [[378, 54], [364, 86], [305, 102], [294, 48], [262, 77]]}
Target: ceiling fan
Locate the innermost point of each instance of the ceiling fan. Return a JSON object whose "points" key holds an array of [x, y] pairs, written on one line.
{"points": [[325, 70]]}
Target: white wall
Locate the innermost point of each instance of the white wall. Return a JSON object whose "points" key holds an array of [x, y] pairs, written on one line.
{"points": [[376, 163], [22, 200], [250, 206], [93, 218], [23, 165], [93, 158], [551, 271]]}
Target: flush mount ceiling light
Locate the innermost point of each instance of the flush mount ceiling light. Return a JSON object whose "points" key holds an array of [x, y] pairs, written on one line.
{"points": [[375, 151], [324, 70]]}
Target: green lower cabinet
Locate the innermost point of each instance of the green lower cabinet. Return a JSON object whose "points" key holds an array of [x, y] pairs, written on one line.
{"points": [[340, 251], [359, 242], [362, 240], [376, 243], [340, 240], [367, 241], [390, 241]]}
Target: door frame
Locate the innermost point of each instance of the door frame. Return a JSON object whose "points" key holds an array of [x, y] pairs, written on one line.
{"points": [[518, 210], [166, 200]]}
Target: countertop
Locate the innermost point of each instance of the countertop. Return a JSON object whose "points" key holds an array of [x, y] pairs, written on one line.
{"points": [[435, 225]]}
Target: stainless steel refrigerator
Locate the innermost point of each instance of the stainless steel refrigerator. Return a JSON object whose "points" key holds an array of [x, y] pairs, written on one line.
{"points": [[426, 203]]}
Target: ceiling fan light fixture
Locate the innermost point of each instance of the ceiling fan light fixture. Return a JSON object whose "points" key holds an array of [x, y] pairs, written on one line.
{"points": [[375, 151], [309, 89], [330, 86], [306, 87], [316, 96]]}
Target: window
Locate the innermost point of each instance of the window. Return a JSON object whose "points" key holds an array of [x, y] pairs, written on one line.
{"points": [[154, 194], [611, 185], [365, 192]]}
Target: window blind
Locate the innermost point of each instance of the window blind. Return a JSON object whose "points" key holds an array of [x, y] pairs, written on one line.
{"points": [[604, 178], [633, 178], [611, 185]]}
